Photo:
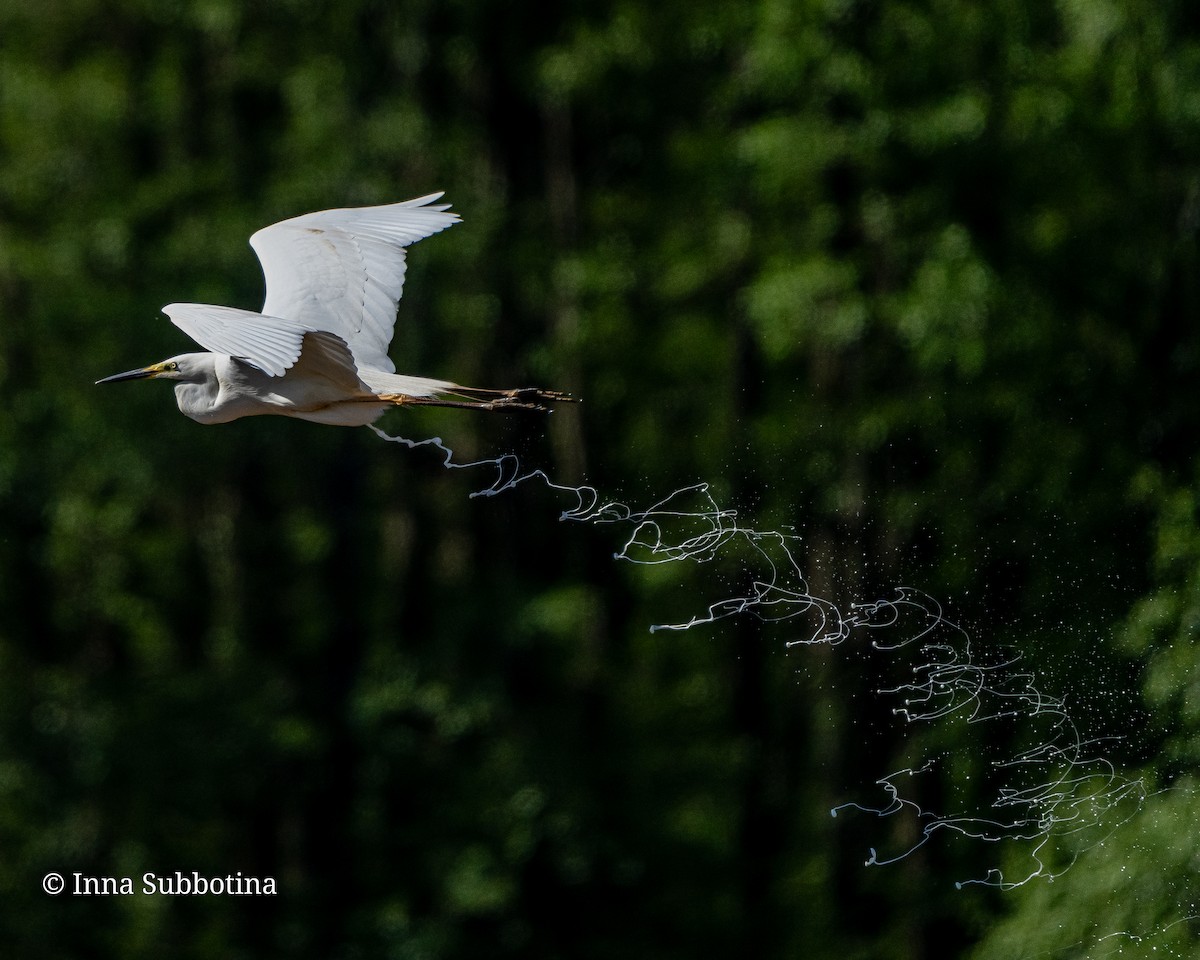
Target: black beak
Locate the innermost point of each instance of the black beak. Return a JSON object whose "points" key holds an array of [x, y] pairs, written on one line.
{"points": [[140, 374]]}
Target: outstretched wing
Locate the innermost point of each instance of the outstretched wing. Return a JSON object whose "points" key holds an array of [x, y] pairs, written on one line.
{"points": [[343, 270], [270, 343]]}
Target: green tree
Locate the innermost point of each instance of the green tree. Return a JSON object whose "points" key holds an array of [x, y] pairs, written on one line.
{"points": [[915, 278]]}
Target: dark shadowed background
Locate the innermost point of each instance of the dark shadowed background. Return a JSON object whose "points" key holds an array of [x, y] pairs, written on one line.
{"points": [[918, 279]]}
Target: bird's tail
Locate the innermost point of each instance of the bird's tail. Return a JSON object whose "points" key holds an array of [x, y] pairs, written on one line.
{"points": [[419, 391]]}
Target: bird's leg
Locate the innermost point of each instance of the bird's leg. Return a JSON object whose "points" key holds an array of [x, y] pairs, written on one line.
{"points": [[404, 400], [477, 398], [524, 395], [529, 397]]}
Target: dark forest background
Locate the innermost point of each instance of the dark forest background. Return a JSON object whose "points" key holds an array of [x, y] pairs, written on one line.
{"points": [[918, 279]]}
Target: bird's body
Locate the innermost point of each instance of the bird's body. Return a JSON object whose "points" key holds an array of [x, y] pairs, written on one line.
{"points": [[323, 386], [318, 349], [219, 388]]}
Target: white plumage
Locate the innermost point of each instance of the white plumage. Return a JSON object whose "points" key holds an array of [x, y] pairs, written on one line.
{"points": [[319, 348]]}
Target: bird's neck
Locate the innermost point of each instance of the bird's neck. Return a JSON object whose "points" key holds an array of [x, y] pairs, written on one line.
{"points": [[199, 401]]}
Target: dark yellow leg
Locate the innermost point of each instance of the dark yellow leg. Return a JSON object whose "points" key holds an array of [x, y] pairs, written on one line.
{"points": [[522, 398]]}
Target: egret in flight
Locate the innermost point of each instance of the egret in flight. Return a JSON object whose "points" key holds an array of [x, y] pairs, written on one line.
{"points": [[319, 349]]}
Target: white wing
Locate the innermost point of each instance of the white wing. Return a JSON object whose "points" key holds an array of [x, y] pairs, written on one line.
{"points": [[343, 270], [270, 343]]}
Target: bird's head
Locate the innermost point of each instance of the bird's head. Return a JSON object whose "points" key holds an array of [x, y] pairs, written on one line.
{"points": [[186, 368]]}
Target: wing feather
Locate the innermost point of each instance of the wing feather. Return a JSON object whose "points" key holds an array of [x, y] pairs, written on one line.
{"points": [[272, 344], [343, 270]]}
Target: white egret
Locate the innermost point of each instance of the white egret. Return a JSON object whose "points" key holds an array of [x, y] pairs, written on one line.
{"points": [[318, 350]]}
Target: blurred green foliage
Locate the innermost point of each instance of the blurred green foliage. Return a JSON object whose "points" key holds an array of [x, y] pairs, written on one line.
{"points": [[918, 278]]}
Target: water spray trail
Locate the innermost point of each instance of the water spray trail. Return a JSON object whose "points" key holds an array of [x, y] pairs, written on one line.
{"points": [[1059, 785]]}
